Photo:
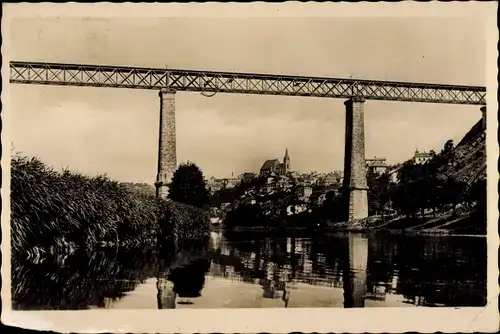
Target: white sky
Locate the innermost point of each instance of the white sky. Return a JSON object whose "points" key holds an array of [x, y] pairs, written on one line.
{"points": [[114, 131]]}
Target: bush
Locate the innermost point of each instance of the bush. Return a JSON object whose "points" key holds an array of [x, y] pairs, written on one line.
{"points": [[181, 222]]}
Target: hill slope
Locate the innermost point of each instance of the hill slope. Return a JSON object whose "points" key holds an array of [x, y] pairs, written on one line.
{"points": [[467, 165], [459, 195], [469, 157]]}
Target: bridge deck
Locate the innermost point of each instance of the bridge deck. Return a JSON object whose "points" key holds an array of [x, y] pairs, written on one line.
{"points": [[243, 83]]}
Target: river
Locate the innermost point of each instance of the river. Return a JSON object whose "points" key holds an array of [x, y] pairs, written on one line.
{"points": [[338, 270]]}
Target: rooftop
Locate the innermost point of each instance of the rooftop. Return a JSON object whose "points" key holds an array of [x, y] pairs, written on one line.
{"points": [[377, 163], [422, 154], [270, 163], [395, 168]]}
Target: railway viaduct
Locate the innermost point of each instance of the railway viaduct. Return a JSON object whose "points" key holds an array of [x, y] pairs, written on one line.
{"points": [[170, 81]]}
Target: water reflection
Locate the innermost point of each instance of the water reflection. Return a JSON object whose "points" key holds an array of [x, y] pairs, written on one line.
{"points": [[79, 281], [184, 282], [342, 270], [354, 274]]}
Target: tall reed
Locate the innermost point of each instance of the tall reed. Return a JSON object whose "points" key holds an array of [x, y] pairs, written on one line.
{"points": [[50, 208]]}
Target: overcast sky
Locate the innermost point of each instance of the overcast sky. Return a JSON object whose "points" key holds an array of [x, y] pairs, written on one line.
{"points": [[114, 131]]}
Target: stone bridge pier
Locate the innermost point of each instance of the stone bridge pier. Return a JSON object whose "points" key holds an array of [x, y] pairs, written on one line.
{"points": [[167, 155], [355, 183]]}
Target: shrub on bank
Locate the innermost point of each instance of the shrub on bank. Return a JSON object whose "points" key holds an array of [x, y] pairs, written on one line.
{"points": [[63, 208], [183, 222]]}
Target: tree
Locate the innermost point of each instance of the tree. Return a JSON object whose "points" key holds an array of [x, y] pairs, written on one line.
{"points": [[410, 195], [334, 208], [448, 146], [432, 186], [224, 195], [188, 186], [447, 151], [378, 192], [453, 192]]}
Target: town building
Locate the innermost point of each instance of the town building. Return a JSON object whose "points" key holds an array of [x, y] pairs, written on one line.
{"points": [[274, 167], [295, 209], [215, 184], [246, 177], [394, 173], [377, 165], [334, 188], [305, 192], [231, 182], [321, 199], [329, 179], [421, 157]]}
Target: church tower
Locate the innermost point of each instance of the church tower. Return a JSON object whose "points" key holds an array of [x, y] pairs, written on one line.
{"points": [[286, 163]]}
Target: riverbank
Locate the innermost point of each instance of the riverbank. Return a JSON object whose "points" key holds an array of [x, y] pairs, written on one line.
{"points": [[58, 212], [467, 224]]}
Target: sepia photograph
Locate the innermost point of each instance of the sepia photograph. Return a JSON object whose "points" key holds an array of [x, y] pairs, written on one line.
{"points": [[197, 163]]}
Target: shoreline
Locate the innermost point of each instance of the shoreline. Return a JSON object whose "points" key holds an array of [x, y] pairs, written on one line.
{"points": [[349, 230], [374, 225]]}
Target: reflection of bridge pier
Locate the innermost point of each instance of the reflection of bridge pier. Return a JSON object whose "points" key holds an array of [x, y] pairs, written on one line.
{"points": [[216, 239], [166, 296], [355, 271]]}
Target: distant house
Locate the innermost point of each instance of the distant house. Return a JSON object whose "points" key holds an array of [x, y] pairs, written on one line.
{"points": [[275, 167], [341, 176], [321, 199], [377, 165], [305, 192], [335, 188], [333, 178], [421, 157], [231, 182], [245, 177], [393, 173], [295, 209], [214, 184], [329, 179]]}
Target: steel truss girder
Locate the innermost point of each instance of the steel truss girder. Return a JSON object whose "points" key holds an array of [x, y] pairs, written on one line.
{"points": [[243, 83]]}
